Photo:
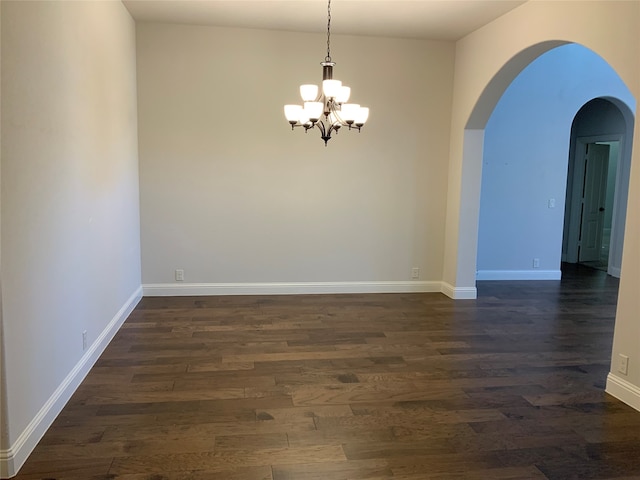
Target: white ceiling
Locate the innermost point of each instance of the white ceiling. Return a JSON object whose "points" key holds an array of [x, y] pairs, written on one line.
{"points": [[428, 19]]}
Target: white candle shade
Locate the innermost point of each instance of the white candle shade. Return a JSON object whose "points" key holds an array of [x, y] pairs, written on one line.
{"points": [[331, 88], [292, 112], [313, 110], [343, 94], [349, 112], [309, 93], [361, 116]]}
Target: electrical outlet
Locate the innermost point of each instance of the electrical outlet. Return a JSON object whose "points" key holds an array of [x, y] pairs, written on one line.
{"points": [[552, 203], [179, 275], [84, 340], [415, 273], [623, 364], [536, 263]]}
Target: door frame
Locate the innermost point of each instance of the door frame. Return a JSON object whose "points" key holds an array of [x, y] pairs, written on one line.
{"points": [[572, 230]]}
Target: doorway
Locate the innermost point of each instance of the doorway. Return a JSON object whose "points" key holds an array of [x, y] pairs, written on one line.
{"points": [[591, 208], [597, 188]]}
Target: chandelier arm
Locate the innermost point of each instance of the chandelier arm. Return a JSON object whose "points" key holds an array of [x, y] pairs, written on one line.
{"points": [[325, 134], [321, 127], [337, 112]]}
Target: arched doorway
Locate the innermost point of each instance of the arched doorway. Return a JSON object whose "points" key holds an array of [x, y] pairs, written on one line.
{"points": [[463, 225], [525, 157], [486, 63], [598, 184]]}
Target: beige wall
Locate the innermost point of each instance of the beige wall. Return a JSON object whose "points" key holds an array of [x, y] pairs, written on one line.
{"points": [[627, 334], [612, 30], [4, 425], [69, 197], [231, 195]]}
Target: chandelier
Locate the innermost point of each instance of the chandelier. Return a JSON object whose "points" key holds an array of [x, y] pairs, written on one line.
{"points": [[328, 109]]}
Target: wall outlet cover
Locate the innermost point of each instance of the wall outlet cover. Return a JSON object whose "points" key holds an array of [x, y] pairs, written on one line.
{"points": [[623, 364]]}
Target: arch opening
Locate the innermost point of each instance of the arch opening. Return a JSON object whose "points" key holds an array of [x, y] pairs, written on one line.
{"points": [[602, 132], [478, 143]]}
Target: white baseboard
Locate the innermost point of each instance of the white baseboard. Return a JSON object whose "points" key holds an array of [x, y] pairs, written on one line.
{"points": [[12, 459], [459, 293], [518, 275], [624, 391], [201, 289], [294, 288]]}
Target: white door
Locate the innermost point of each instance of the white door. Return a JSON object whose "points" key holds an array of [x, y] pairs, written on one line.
{"points": [[594, 192]]}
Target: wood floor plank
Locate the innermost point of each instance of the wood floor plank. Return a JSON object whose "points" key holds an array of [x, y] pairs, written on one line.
{"points": [[343, 470], [68, 467], [508, 473], [226, 460], [240, 473], [353, 387], [354, 393], [234, 443]]}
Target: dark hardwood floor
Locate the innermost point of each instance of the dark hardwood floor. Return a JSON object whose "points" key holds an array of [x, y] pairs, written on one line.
{"points": [[337, 387]]}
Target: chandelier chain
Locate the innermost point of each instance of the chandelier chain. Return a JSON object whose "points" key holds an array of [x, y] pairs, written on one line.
{"points": [[328, 57]]}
